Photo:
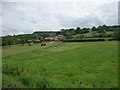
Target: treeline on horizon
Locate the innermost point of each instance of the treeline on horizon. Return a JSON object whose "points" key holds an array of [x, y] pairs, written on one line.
{"points": [[78, 33]]}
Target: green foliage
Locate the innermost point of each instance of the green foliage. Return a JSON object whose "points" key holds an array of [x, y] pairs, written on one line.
{"points": [[100, 31], [93, 28], [22, 41], [18, 39], [116, 34], [84, 40], [94, 32], [67, 33], [43, 44], [46, 35], [8, 40], [82, 31], [77, 30]]}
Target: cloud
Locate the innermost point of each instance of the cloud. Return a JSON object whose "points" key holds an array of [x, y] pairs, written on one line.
{"points": [[0, 19], [119, 13], [60, 1], [27, 17]]}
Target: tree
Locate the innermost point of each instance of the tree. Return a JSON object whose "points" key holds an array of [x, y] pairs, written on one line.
{"points": [[93, 28], [72, 31], [66, 33], [116, 34], [81, 36], [102, 34], [4, 41], [46, 35], [77, 30], [94, 34], [8, 40], [22, 41], [84, 30], [58, 33]]}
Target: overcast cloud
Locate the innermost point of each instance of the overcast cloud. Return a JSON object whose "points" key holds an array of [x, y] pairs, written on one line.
{"points": [[27, 17]]}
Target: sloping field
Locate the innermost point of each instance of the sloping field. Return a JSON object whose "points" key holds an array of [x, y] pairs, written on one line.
{"points": [[61, 65]]}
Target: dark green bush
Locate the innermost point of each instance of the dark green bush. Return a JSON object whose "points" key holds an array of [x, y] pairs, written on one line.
{"points": [[111, 39], [84, 40], [43, 44]]}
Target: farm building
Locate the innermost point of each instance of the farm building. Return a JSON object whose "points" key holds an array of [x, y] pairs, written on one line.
{"points": [[29, 41], [34, 41], [48, 39], [59, 38]]}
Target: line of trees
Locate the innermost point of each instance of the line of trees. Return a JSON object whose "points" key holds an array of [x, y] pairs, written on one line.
{"points": [[70, 32], [22, 39], [100, 31], [18, 39], [96, 32]]}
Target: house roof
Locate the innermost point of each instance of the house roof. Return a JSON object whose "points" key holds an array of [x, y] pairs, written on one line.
{"points": [[48, 38]]}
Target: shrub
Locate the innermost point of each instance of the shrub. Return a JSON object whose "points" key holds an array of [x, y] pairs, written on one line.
{"points": [[84, 40], [43, 44], [111, 39]]}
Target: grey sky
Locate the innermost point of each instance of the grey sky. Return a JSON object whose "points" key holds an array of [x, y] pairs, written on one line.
{"points": [[27, 17]]}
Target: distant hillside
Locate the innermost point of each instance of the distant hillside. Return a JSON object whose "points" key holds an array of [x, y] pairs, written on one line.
{"points": [[73, 34], [41, 33]]}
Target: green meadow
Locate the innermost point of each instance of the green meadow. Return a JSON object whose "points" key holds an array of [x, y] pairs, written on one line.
{"points": [[61, 65]]}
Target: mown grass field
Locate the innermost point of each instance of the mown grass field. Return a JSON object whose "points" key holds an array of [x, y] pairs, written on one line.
{"points": [[61, 65]]}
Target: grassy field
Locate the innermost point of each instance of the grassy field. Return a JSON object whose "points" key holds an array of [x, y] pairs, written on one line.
{"points": [[61, 65]]}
